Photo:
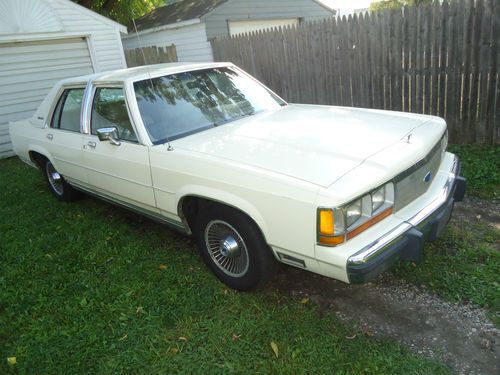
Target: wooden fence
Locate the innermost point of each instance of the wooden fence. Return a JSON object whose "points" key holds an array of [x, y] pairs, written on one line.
{"points": [[439, 59], [151, 55]]}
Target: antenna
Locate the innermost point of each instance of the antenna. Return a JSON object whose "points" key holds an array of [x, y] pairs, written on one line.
{"points": [[140, 43], [169, 146]]}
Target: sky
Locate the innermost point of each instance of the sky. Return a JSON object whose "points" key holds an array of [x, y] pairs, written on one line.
{"points": [[346, 5]]}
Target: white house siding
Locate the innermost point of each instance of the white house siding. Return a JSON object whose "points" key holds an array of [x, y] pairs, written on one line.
{"points": [[28, 70], [239, 10], [42, 42], [246, 26], [105, 40], [190, 42]]}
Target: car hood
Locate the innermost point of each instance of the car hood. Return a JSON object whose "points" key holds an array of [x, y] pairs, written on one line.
{"points": [[316, 144]]}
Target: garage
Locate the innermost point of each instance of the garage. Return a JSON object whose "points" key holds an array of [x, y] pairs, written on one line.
{"points": [[29, 69], [44, 41], [246, 26]]}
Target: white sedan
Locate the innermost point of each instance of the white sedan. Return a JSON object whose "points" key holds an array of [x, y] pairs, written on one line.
{"points": [[210, 151]]}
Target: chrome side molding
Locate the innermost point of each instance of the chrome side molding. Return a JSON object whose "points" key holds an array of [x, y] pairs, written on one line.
{"points": [[179, 226]]}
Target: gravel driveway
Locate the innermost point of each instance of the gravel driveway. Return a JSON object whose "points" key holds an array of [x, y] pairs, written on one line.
{"points": [[461, 336]]}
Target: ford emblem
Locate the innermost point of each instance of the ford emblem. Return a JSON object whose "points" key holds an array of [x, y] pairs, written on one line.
{"points": [[427, 176]]}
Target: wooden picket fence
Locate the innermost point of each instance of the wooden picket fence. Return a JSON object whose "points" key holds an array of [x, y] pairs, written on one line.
{"points": [[150, 55], [439, 59]]}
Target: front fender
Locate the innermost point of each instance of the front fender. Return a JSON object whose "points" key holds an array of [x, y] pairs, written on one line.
{"points": [[223, 197]]}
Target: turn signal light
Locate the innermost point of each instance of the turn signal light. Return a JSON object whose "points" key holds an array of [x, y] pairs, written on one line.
{"points": [[331, 241], [326, 222]]}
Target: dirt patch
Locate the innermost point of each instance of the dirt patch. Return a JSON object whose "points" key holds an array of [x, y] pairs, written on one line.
{"points": [[461, 336], [479, 210]]}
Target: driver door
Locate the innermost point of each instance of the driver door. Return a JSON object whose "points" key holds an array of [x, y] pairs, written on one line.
{"points": [[122, 171]]}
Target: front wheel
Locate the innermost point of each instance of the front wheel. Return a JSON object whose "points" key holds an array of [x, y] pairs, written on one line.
{"points": [[58, 187], [233, 248]]}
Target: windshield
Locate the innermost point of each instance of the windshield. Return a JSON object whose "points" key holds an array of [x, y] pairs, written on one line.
{"points": [[180, 104]]}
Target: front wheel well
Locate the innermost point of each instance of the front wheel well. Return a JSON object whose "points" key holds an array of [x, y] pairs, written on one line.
{"points": [[230, 243], [190, 206]]}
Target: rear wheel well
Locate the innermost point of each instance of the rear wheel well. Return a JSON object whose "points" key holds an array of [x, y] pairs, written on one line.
{"points": [[37, 158]]}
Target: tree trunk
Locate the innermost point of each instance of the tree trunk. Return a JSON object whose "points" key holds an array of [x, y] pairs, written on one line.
{"points": [[108, 5], [85, 3]]}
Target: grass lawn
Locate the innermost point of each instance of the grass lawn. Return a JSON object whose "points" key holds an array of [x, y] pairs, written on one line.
{"points": [[481, 167], [461, 266], [89, 288]]}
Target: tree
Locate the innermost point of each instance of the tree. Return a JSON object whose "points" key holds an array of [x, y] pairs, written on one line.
{"points": [[122, 11], [391, 4]]}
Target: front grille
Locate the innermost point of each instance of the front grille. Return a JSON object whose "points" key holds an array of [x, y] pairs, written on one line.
{"points": [[411, 184]]}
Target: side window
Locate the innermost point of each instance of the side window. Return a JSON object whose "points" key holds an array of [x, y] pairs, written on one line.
{"points": [[109, 110], [67, 112]]}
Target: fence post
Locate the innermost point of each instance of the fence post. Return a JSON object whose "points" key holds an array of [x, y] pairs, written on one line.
{"points": [[439, 58]]}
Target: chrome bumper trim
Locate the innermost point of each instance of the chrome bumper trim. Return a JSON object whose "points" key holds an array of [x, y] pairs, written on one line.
{"points": [[385, 242]]}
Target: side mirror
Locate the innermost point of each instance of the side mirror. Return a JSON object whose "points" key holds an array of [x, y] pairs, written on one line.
{"points": [[109, 134]]}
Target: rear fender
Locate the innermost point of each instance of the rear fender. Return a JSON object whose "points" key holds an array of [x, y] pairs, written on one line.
{"points": [[33, 148]]}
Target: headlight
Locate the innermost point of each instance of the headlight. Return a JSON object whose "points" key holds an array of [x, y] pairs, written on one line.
{"points": [[353, 212], [444, 142], [378, 198], [338, 225]]}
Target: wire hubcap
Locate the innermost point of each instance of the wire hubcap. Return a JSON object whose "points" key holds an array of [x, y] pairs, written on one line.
{"points": [[55, 179], [226, 248]]}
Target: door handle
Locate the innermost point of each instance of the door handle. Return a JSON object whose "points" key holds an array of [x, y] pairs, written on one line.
{"points": [[50, 136], [91, 144]]}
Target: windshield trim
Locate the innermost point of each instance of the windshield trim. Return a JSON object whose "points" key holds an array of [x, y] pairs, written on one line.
{"points": [[208, 127]]}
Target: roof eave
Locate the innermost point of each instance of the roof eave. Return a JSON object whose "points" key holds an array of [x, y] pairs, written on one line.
{"points": [[205, 15], [110, 22], [332, 10], [169, 26]]}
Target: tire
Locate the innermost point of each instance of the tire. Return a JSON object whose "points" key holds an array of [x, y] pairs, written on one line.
{"points": [[233, 248], [57, 185]]}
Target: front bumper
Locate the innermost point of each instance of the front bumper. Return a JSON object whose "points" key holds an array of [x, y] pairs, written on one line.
{"points": [[406, 241]]}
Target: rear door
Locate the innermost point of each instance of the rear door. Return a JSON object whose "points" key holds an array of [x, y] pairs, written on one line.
{"points": [[121, 172], [64, 137]]}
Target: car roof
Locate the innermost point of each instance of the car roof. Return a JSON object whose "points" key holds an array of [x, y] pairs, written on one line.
{"points": [[139, 73]]}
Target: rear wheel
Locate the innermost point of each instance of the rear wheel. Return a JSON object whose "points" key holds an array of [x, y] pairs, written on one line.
{"points": [[57, 185], [233, 248]]}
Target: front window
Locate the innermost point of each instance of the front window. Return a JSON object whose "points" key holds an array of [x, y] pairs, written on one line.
{"points": [[110, 110], [180, 104]]}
